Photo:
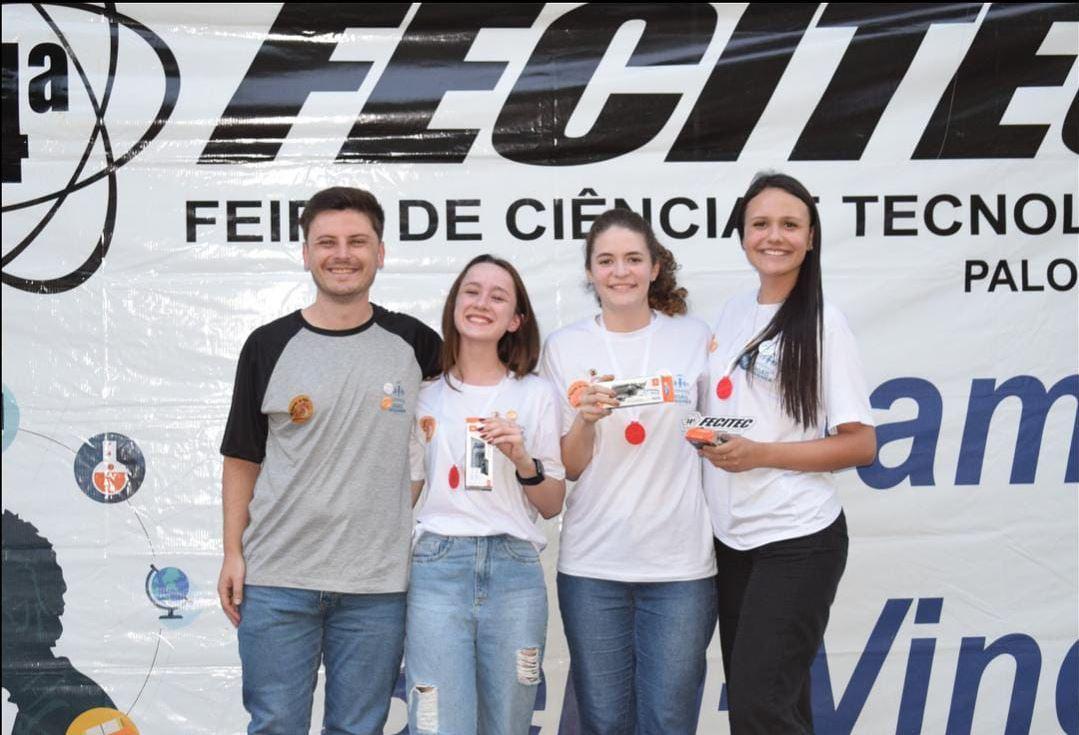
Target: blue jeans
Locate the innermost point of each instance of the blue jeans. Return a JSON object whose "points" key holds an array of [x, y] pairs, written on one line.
{"points": [[477, 622], [286, 633], [637, 652]]}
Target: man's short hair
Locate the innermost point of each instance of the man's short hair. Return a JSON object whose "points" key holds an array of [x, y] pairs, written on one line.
{"points": [[338, 198]]}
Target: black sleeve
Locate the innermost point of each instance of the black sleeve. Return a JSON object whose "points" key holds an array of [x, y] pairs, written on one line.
{"points": [[425, 342], [247, 427], [428, 347]]}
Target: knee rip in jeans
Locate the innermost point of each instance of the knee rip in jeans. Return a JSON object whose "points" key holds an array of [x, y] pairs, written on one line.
{"points": [[528, 666], [425, 699]]}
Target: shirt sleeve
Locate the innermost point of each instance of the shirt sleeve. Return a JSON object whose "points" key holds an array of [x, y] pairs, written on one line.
{"points": [[699, 365], [846, 398], [417, 452], [552, 372], [247, 427], [429, 352], [547, 445]]}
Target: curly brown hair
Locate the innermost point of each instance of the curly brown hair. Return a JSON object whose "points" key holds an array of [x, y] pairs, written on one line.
{"points": [[664, 293]]}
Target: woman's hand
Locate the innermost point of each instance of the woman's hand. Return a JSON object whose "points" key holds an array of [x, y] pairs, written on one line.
{"points": [[508, 437], [595, 402], [734, 453], [852, 445]]}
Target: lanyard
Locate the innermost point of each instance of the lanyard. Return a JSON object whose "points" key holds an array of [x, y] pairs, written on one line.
{"points": [[443, 431], [620, 374], [634, 432], [725, 386]]}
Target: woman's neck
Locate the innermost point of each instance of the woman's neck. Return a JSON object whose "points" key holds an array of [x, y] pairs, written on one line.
{"points": [[628, 319], [775, 290], [478, 363]]}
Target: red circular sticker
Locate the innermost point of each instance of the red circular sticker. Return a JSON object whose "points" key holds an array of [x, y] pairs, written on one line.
{"points": [[724, 388], [455, 477], [635, 433]]}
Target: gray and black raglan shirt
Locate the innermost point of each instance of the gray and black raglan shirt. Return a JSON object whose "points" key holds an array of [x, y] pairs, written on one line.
{"points": [[328, 414]]}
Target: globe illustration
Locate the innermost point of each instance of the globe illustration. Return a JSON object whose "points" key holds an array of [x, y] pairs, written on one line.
{"points": [[167, 588]]}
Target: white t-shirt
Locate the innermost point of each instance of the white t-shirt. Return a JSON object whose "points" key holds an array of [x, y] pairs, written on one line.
{"points": [[441, 412], [756, 507], [637, 513]]}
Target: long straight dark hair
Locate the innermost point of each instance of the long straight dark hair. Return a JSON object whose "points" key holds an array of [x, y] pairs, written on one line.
{"points": [[799, 323], [518, 350]]}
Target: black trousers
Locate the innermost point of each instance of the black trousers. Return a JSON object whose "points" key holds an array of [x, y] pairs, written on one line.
{"points": [[773, 609]]}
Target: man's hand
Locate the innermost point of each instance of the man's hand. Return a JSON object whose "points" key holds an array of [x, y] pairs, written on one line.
{"points": [[238, 478], [230, 587]]}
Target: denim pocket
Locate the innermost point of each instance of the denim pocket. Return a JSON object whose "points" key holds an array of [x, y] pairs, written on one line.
{"points": [[520, 550], [431, 547]]}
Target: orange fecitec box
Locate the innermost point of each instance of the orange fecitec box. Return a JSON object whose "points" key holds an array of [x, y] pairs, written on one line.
{"points": [[642, 391]]}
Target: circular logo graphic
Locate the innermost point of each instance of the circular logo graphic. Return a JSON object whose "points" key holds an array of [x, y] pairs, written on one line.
{"points": [[109, 468], [301, 409], [103, 720], [576, 392], [385, 403], [75, 107], [387, 388], [11, 418]]}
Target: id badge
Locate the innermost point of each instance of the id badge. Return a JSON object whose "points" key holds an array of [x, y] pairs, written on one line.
{"points": [[479, 459]]}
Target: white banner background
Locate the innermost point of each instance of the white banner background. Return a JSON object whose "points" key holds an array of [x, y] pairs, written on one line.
{"points": [[146, 347]]}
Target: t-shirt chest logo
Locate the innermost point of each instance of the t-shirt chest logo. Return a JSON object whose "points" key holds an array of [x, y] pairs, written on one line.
{"points": [[766, 366], [301, 409], [393, 398]]}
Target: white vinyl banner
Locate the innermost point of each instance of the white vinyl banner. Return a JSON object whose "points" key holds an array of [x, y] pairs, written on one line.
{"points": [[156, 159]]}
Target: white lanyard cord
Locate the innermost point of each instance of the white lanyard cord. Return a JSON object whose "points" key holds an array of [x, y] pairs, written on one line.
{"points": [[442, 431], [635, 412]]}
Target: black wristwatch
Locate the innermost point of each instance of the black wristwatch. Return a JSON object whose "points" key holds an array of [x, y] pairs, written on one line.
{"points": [[532, 480]]}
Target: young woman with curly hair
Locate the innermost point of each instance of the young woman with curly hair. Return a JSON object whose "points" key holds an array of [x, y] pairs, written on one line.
{"points": [[636, 562]]}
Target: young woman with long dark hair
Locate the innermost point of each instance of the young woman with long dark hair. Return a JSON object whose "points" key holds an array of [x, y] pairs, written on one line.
{"points": [[635, 562], [787, 359], [477, 602]]}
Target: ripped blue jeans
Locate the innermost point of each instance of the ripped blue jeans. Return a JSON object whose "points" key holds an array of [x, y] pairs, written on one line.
{"points": [[477, 622]]}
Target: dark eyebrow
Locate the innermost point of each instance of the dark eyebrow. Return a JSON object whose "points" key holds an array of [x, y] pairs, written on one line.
{"points": [[477, 284], [605, 254]]}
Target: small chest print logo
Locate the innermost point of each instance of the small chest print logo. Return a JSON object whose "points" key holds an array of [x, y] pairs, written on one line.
{"points": [[394, 398], [766, 366], [427, 426], [511, 415], [681, 389], [714, 344], [301, 409]]}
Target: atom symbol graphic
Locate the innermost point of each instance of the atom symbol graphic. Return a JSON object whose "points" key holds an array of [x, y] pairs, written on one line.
{"points": [[78, 179]]}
